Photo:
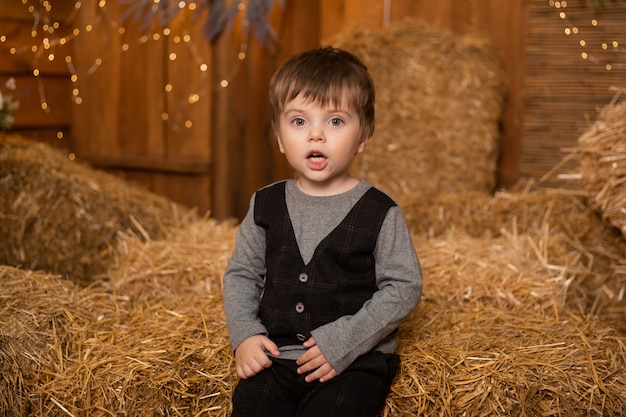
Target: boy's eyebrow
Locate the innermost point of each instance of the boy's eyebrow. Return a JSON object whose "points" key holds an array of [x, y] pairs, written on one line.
{"points": [[331, 109]]}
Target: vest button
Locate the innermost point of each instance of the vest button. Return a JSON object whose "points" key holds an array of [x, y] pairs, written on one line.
{"points": [[303, 277], [301, 337], [299, 307]]}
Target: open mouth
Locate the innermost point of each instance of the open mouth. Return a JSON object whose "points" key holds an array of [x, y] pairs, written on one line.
{"points": [[316, 156], [316, 160]]}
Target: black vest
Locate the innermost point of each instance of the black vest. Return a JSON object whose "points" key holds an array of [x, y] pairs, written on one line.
{"points": [[340, 277]]}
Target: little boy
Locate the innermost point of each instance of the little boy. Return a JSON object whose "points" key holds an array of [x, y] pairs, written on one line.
{"points": [[324, 269]]}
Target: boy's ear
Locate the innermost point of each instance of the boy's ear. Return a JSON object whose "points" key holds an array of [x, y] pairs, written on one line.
{"points": [[362, 144], [280, 143]]}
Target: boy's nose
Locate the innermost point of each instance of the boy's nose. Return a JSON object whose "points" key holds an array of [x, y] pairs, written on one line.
{"points": [[316, 134]]}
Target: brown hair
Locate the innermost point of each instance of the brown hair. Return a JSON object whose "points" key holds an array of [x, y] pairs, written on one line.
{"points": [[323, 75]]}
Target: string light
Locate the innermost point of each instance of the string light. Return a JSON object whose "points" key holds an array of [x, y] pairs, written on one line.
{"points": [[46, 30], [586, 54]]}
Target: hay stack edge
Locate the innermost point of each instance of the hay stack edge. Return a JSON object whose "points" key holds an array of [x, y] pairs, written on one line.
{"points": [[66, 217], [522, 315]]}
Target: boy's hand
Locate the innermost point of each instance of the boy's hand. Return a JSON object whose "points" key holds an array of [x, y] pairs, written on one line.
{"points": [[251, 357], [314, 359]]}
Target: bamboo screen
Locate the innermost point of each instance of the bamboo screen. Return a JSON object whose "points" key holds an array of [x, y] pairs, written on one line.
{"points": [[563, 89]]}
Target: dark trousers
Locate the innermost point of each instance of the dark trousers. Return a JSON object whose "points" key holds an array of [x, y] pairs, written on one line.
{"points": [[278, 391]]}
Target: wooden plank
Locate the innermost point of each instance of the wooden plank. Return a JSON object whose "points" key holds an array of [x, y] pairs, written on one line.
{"points": [[58, 137], [188, 128], [60, 11], [192, 192], [32, 92], [22, 53], [97, 61], [189, 70], [175, 187], [121, 78], [142, 92], [181, 166]]}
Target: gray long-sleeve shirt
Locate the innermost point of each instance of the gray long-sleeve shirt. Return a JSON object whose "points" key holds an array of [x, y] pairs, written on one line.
{"points": [[398, 278]]}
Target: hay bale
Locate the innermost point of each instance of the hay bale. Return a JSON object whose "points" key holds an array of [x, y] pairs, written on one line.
{"points": [[62, 216], [506, 271], [163, 358], [44, 322], [67, 350], [562, 228], [479, 359], [495, 335], [529, 211], [190, 260], [601, 151], [439, 100]]}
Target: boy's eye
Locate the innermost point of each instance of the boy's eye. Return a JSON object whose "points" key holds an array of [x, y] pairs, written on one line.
{"points": [[298, 121], [335, 121]]}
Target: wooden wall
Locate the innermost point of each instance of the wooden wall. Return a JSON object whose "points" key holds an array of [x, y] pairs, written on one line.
{"points": [[135, 117], [45, 99]]}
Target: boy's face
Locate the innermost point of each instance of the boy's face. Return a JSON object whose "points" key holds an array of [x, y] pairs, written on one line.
{"points": [[320, 143]]}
